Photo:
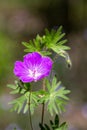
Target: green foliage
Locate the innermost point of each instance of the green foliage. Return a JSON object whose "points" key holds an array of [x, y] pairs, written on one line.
{"points": [[51, 41], [36, 45], [18, 104], [56, 97], [22, 104], [54, 125], [19, 87]]}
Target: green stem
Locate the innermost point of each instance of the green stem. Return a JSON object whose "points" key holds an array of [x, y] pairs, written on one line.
{"points": [[42, 119], [43, 105], [30, 111]]}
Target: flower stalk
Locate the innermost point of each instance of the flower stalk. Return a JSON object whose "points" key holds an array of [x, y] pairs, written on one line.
{"points": [[43, 105], [30, 111]]}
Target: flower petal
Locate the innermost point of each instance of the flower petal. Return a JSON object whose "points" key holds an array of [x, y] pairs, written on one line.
{"points": [[26, 79], [34, 67], [32, 59], [45, 67], [19, 68]]}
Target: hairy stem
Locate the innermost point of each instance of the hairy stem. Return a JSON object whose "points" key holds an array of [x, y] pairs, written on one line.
{"points": [[30, 111], [43, 105]]}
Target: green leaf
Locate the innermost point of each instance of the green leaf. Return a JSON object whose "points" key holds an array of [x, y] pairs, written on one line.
{"points": [[21, 104], [63, 126], [12, 86], [53, 37], [15, 91], [35, 45], [30, 46], [56, 121], [56, 97], [17, 88], [45, 53], [59, 49], [33, 102], [41, 126], [54, 41], [18, 104], [62, 42], [47, 127], [54, 125], [38, 42], [51, 41]]}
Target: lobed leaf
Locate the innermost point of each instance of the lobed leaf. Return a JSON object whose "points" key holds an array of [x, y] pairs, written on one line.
{"points": [[54, 125], [56, 97], [51, 41]]}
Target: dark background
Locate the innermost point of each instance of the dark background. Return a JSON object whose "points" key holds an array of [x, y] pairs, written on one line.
{"points": [[21, 20]]}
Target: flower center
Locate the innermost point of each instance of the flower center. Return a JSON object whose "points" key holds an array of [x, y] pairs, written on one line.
{"points": [[34, 73]]}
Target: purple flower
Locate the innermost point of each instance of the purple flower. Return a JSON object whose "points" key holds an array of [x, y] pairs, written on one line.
{"points": [[34, 67]]}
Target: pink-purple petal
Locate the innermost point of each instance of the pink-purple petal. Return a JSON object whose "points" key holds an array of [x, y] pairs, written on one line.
{"points": [[26, 79], [34, 67], [33, 58], [19, 68]]}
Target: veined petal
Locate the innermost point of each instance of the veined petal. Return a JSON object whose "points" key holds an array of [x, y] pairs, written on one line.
{"points": [[45, 67], [32, 59], [19, 68], [34, 67]]}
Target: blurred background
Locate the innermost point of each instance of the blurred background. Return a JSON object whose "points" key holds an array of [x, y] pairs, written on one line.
{"points": [[21, 20]]}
